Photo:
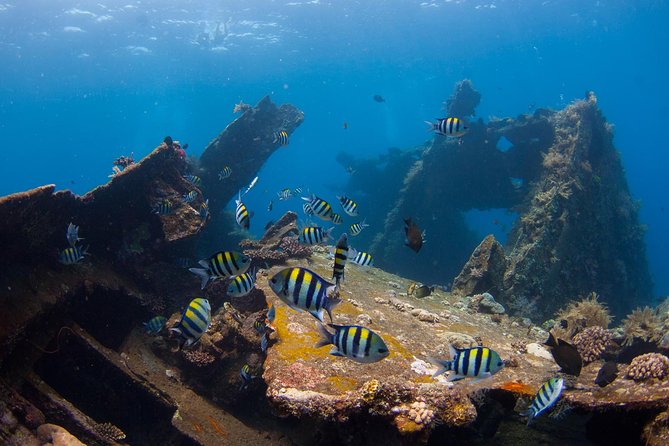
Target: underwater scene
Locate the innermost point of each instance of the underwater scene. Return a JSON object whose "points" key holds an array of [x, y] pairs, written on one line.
{"points": [[273, 222]]}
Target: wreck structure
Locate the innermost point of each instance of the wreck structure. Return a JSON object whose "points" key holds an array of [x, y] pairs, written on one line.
{"points": [[577, 229]]}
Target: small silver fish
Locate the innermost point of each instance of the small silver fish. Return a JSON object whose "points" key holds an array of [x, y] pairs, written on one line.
{"points": [[73, 234]]}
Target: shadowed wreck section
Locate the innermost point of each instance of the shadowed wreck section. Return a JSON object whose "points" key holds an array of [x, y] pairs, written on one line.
{"points": [[577, 230]]}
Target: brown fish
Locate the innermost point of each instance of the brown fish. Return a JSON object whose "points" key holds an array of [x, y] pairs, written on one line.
{"points": [[415, 237], [565, 355]]}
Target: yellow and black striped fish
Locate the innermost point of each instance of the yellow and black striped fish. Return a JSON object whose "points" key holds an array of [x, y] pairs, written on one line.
{"points": [[194, 180], [448, 126], [281, 138], [242, 284], [319, 207], [190, 196], [246, 376], [194, 321], [352, 341], [242, 214], [71, 255], [313, 235], [477, 362], [361, 258], [225, 173], [356, 228], [164, 207], [548, 394], [221, 264], [350, 206], [336, 218], [340, 257], [302, 289]]}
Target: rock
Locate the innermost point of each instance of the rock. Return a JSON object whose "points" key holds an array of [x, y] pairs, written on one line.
{"points": [[485, 303], [539, 351], [483, 271], [57, 436]]}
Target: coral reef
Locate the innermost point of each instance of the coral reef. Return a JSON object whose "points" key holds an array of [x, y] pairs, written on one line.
{"points": [[592, 342], [588, 312], [110, 432], [278, 244], [485, 303], [199, 358], [649, 365], [642, 324]]}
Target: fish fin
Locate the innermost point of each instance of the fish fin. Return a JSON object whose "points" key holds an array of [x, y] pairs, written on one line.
{"points": [[331, 301], [326, 336], [482, 377], [203, 274], [454, 378], [335, 352], [529, 413], [203, 263], [317, 314], [452, 351], [309, 198], [444, 365], [352, 253], [431, 125], [327, 235], [552, 341]]}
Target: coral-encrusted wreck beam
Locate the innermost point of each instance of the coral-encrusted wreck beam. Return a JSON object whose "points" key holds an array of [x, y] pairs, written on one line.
{"points": [[117, 222], [244, 146]]}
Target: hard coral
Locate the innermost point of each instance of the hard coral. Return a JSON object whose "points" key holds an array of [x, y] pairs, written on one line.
{"points": [[294, 249], [650, 365], [588, 312], [199, 359], [110, 432], [592, 342], [642, 324]]}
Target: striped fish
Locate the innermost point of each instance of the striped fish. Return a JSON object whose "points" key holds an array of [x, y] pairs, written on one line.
{"points": [[352, 341], [271, 314], [260, 327], [281, 137], [548, 394], [242, 214], [350, 206], [340, 256], [221, 264], [246, 376], [307, 209], [336, 218], [71, 255], [190, 196], [297, 191], [194, 180], [361, 258], [194, 321], [285, 194], [163, 208], [477, 362], [204, 210], [302, 289], [242, 284], [320, 207], [448, 126], [154, 325], [225, 173], [356, 228], [264, 340], [72, 234], [313, 235]]}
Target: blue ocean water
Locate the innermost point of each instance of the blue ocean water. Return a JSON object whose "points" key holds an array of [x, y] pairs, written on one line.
{"points": [[83, 82]]}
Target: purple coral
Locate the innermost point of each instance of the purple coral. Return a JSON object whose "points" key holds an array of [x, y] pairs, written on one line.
{"points": [[650, 365], [592, 342]]}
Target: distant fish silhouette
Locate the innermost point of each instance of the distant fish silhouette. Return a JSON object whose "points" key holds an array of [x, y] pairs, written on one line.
{"points": [[565, 355], [379, 98], [168, 141], [415, 237]]}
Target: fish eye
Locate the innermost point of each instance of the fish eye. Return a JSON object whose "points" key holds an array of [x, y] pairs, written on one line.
{"points": [[383, 350], [273, 280]]}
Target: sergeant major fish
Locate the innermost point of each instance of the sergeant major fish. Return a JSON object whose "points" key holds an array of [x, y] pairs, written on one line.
{"points": [[195, 321], [354, 342], [340, 256], [356, 228], [350, 206], [548, 394], [225, 173], [361, 258], [302, 289], [190, 196], [284, 194], [194, 180], [204, 210], [242, 284], [320, 207], [164, 207], [280, 137], [336, 218], [71, 255], [221, 264], [307, 209], [154, 325], [313, 235], [72, 235], [246, 376], [242, 214], [477, 362], [448, 127]]}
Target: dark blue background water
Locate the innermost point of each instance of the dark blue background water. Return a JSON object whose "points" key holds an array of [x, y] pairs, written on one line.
{"points": [[84, 82]]}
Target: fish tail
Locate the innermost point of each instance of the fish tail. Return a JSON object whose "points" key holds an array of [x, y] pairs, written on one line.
{"points": [[327, 235], [332, 300], [203, 274], [431, 125], [529, 413], [443, 366], [326, 336]]}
